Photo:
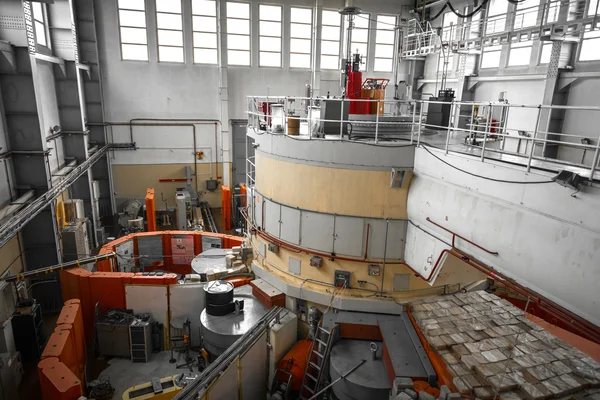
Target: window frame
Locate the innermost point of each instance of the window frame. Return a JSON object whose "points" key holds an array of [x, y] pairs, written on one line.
{"points": [[368, 29], [519, 45], [491, 49], [339, 41], [580, 47], [158, 45], [488, 10], [46, 29], [280, 37], [249, 35], [121, 43], [216, 33], [541, 51], [310, 52], [394, 44]]}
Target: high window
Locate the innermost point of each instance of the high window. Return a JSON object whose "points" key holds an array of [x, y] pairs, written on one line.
{"points": [[39, 19], [300, 37], [590, 46], [527, 12], [384, 43], [204, 26], [360, 38], [546, 52], [520, 54], [490, 57], [330, 39], [169, 24], [238, 33], [449, 27], [269, 31], [132, 30], [496, 21]]}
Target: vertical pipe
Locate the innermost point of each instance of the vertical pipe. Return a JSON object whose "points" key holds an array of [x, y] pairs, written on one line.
{"points": [[452, 107], [387, 223], [505, 112], [285, 114], [342, 102], [376, 121], [546, 134], [420, 119], [485, 133], [412, 128], [537, 122]]}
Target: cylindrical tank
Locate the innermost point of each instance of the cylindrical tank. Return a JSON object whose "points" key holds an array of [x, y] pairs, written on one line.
{"points": [[369, 381], [353, 91], [295, 363], [220, 332]]}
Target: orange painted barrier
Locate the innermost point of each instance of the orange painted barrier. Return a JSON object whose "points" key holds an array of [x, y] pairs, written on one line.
{"points": [[57, 381], [226, 207], [62, 346], [150, 210], [71, 316], [108, 288]]}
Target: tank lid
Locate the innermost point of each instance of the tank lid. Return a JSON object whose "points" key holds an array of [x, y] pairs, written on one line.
{"points": [[216, 287]]}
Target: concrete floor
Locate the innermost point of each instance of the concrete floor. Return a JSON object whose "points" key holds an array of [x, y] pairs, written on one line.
{"points": [[124, 374]]}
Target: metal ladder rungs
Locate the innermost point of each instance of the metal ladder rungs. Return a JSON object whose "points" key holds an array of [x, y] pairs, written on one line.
{"points": [[311, 377], [322, 342], [319, 354], [324, 330], [315, 366], [308, 388]]}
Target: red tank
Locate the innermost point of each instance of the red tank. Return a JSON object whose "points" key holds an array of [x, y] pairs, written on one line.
{"points": [[294, 362], [354, 87]]}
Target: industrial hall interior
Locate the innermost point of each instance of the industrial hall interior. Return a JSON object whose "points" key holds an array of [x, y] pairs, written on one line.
{"points": [[300, 199]]}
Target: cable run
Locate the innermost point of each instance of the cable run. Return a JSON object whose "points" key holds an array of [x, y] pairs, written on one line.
{"points": [[484, 177]]}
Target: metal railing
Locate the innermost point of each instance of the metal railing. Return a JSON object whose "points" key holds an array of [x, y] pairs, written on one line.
{"points": [[519, 133], [520, 24]]}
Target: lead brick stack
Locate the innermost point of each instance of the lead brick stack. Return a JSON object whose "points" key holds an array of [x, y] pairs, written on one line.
{"points": [[493, 350]]}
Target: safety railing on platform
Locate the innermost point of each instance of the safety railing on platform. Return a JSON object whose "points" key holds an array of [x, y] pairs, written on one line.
{"points": [[521, 134], [527, 21]]}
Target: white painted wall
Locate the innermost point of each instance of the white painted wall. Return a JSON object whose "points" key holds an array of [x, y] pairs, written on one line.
{"points": [[167, 90], [547, 240], [583, 92]]}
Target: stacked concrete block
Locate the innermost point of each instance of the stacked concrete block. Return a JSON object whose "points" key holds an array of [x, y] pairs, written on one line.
{"points": [[493, 351]]}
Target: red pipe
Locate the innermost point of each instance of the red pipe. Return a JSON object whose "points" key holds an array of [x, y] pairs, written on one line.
{"points": [[454, 234]]}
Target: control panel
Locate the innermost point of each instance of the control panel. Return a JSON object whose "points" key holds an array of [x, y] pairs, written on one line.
{"points": [[341, 279]]}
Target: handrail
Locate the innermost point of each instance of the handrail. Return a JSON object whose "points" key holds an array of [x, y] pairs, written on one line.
{"points": [[454, 235], [478, 128]]}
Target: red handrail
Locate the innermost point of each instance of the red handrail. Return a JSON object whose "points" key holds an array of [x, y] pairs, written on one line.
{"points": [[454, 235]]}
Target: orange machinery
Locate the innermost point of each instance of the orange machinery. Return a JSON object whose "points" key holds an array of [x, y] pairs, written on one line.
{"points": [[374, 88], [150, 210]]}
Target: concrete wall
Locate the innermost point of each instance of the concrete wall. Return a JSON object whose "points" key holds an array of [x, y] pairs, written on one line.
{"points": [[546, 238]]}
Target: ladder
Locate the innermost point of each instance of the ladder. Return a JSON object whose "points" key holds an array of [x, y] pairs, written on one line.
{"points": [[319, 354]]}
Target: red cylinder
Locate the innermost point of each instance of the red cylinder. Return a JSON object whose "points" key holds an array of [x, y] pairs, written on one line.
{"points": [[353, 91], [294, 362]]}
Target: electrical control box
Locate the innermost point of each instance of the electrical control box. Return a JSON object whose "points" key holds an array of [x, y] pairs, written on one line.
{"points": [[316, 261], [341, 279], [273, 248], [374, 269]]}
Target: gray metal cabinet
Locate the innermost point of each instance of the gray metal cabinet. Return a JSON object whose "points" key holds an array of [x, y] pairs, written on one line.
{"points": [[113, 339]]}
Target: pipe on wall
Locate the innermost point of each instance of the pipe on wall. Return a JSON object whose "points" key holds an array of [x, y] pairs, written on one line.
{"points": [[182, 122]]}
